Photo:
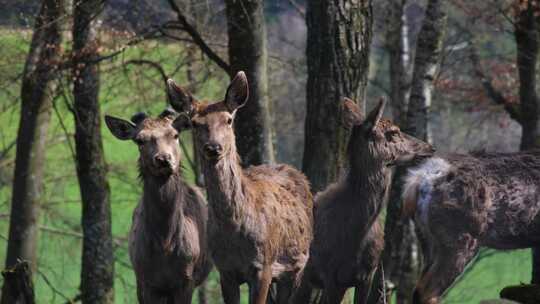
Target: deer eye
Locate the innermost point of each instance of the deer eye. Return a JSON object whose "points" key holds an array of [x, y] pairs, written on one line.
{"points": [[229, 121], [176, 136]]}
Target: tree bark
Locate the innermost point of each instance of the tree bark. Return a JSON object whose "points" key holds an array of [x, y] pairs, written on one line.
{"points": [[339, 38], [526, 35], [526, 31], [18, 280], [247, 52], [426, 65], [401, 246], [97, 254], [36, 96], [398, 46]]}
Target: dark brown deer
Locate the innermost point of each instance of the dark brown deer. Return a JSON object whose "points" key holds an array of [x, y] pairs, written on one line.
{"points": [[348, 238], [168, 237], [260, 224], [462, 202]]}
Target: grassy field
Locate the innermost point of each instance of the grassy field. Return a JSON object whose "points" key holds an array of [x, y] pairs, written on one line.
{"points": [[124, 92]]}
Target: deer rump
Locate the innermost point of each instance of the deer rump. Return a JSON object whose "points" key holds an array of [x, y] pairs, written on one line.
{"points": [[463, 202]]}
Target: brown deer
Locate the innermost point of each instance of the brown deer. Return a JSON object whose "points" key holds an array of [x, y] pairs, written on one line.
{"points": [[461, 202], [260, 219], [348, 238], [168, 237]]}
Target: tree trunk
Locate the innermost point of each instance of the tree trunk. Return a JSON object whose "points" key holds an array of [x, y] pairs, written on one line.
{"points": [[18, 280], [247, 52], [36, 96], [526, 35], [398, 46], [426, 65], [401, 246], [97, 255], [339, 37]]}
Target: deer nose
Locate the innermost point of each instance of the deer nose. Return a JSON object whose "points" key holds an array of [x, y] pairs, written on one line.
{"points": [[162, 160], [212, 149]]}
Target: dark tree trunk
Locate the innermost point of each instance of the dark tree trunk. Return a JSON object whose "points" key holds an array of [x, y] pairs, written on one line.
{"points": [[401, 246], [398, 47], [36, 95], [338, 42], [247, 52], [526, 35], [18, 280], [97, 255]]}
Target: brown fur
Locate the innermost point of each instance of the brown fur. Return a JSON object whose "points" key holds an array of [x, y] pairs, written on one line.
{"points": [[260, 223], [462, 202], [167, 241], [348, 238]]}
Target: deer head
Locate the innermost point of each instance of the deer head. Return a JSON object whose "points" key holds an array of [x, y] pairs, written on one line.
{"points": [[378, 140], [157, 139], [212, 123]]}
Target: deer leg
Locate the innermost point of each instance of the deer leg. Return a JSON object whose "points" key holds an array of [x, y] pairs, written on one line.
{"points": [[302, 293], [230, 288], [448, 264], [333, 295], [184, 294], [284, 291], [362, 289], [258, 290], [147, 295]]}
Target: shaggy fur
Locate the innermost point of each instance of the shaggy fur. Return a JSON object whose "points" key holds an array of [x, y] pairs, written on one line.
{"points": [[462, 202], [348, 238], [260, 223], [167, 241]]}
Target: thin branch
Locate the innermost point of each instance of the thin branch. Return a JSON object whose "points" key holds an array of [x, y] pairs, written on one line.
{"points": [[299, 9], [491, 91], [198, 39]]}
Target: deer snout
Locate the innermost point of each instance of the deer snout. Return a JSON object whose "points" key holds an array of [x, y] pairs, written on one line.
{"points": [[212, 149], [162, 160]]}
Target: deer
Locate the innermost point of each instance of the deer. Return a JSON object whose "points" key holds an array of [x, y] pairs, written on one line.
{"points": [[462, 202], [168, 237], [348, 238], [260, 217]]}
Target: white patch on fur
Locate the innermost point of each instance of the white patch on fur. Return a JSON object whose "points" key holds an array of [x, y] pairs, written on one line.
{"points": [[421, 179]]}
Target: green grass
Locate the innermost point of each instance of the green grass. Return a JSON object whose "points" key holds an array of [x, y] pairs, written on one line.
{"points": [[124, 92]]}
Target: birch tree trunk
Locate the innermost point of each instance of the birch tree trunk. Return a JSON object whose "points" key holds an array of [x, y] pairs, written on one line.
{"points": [[338, 47], [38, 86], [97, 273], [247, 52], [400, 257]]}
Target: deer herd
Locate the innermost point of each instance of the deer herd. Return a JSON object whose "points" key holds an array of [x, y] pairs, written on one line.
{"points": [[261, 225]]}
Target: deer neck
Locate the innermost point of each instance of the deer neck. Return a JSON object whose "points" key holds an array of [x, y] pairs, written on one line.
{"points": [[225, 185], [163, 209], [368, 183]]}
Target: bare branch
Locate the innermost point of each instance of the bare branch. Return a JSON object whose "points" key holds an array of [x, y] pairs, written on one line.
{"points": [[198, 39], [299, 9], [491, 91]]}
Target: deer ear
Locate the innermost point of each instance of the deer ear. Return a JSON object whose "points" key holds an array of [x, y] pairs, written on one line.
{"points": [[352, 115], [182, 122], [237, 92], [121, 129], [375, 115], [180, 99]]}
